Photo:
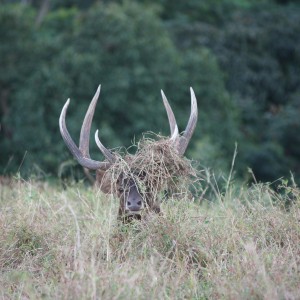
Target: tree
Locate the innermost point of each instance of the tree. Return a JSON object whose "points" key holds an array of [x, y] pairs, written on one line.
{"points": [[258, 50]]}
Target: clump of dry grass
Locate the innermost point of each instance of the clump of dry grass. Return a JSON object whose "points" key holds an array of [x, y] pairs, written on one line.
{"points": [[67, 244], [155, 166]]}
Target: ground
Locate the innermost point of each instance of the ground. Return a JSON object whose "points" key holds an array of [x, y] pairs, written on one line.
{"points": [[65, 243]]}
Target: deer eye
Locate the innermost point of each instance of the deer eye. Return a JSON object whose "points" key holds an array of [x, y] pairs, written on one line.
{"points": [[120, 189]]}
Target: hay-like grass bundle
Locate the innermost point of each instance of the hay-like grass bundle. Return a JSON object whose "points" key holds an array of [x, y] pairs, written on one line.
{"points": [[155, 167]]}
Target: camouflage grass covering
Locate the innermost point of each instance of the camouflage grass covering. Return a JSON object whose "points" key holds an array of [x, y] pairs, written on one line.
{"points": [[156, 167]]}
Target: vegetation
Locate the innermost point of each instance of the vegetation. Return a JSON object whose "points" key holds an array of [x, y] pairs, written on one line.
{"points": [[228, 239], [66, 244], [240, 56]]}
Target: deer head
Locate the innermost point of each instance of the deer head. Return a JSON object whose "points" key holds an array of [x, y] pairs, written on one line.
{"points": [[132, 200]]}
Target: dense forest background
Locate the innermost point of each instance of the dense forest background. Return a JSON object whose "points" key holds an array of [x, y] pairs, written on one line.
{"points": [[242, 57]]}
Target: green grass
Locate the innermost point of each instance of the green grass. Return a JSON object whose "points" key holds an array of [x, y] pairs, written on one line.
{"points": [[66, 244]]}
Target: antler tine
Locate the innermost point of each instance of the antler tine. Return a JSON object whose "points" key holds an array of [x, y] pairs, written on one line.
{"points": [[175, 135], [181, 142], [86, 129], [190, 128], [84, 140], [171, 117], [108, 155], [83, 160]]}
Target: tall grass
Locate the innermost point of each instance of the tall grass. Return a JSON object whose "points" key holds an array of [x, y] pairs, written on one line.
{"points": [[66, 244]]}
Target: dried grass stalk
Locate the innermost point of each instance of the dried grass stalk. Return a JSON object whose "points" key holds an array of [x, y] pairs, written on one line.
{"points": [[155, 167]]}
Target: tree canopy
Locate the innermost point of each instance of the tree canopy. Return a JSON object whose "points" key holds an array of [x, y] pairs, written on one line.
{"points": [[241, 57]]}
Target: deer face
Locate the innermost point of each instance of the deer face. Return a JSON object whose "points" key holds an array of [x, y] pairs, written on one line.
{"points": [[133, 201]]}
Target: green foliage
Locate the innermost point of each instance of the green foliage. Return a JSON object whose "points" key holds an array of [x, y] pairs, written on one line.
{"points": [[265, 79], [216, 106], [16, 60], [112, 45], [128, 58], [210, 11], [117, 46], [258, 50], [241, 57]]}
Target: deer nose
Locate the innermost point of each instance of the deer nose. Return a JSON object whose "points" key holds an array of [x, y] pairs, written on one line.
{"points": [[134, 205]]}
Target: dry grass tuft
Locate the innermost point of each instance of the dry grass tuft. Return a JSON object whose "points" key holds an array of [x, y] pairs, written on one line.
{"points": [[155, 167]]}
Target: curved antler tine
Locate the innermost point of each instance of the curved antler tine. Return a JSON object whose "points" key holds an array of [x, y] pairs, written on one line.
{"points": [[108, 155], [84, 140], [175, 135], [171, 117], [189, 130], [84, 161]]}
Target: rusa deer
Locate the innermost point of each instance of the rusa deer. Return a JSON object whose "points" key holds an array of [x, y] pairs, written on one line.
{"points": [[132, 200]]}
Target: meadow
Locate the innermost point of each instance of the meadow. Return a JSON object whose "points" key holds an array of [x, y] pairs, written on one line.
{"points": [[234, 238], [65, 243]]}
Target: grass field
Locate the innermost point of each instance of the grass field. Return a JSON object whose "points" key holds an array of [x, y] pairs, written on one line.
{"points": [[60, 243]]}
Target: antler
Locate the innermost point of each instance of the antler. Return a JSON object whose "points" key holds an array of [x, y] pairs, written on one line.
{"points": [[82, 153], [182, 142]]}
